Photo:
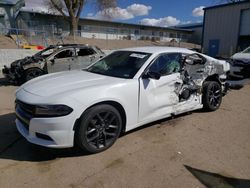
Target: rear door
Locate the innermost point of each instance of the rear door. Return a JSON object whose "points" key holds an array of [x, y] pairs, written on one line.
{"points": [[84, 57]]}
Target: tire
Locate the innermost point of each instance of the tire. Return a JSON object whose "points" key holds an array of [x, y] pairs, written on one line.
{"points": [[99, 128], [212, 95], [32, 73]]}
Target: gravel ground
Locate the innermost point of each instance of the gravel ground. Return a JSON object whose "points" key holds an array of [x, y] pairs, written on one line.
{"points": [[192, 150]]}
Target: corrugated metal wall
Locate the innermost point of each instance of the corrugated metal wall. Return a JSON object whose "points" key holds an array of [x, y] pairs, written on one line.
{"points": [[223, 25]]}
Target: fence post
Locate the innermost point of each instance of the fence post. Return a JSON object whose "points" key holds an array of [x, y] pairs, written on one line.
{"points": [[17, 38]]}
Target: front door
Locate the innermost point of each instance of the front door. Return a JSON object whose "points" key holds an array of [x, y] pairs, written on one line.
{"points": [[158, 97], [61, 61]]}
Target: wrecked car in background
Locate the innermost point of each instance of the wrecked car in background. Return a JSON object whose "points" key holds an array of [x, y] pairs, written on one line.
{"points": [[55, 58], [120, 92], [240, 64]]}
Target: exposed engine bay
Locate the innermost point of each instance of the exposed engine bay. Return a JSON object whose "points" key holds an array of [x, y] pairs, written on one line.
{"points": [[195, 70]]}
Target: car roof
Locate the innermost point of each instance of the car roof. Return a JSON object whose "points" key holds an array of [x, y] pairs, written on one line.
{"points": [[69, 45], [158, 49]]}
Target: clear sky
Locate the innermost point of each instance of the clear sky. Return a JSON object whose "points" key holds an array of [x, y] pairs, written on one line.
{"points": [[153, 12]]}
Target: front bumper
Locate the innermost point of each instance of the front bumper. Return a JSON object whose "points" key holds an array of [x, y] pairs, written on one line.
{"points": [[239, 69], [49, 132], [8, 73], [236, 72], [12, 73]]}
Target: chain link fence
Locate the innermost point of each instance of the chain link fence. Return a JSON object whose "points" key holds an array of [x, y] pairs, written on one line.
{"points": [[47, 35]]}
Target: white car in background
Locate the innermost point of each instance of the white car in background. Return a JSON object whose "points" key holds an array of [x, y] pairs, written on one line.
{"points": [[122, 91], [240, 64]]}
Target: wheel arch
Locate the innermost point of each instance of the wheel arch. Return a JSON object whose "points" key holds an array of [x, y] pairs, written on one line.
{"points": [[116, 105], [30, 68], [214, 77]]}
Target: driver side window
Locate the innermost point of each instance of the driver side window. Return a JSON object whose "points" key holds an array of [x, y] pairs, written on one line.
{"points": [[64, 54], [167, 64]]}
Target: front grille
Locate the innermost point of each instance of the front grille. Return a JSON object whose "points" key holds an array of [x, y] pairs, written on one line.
{"points": [[24, 112]]}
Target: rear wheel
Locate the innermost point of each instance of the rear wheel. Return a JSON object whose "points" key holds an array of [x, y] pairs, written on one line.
{"points": [[32, 73], [99, 128], [212, 95]]}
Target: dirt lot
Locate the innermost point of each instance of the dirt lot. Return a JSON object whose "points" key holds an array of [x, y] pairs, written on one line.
{"points": [[192, 150]]}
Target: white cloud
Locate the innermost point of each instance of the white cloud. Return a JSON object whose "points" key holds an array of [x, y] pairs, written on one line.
{"points": [[163, 22], [124, 14], [198, 12], [115, 13], [139, 9], [90, 15]]}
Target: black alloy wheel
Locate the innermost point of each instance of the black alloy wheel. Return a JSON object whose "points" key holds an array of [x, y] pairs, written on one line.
{"points": [[32, 73], [212, 95], [99, 128]]}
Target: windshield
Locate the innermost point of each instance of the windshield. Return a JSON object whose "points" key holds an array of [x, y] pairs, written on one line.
{"points": [[246, 50], [46, 52], [122, 64]]}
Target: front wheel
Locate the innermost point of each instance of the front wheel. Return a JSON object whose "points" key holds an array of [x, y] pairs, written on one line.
{"points": [[99, 128], [212, 95], [32, 73]]}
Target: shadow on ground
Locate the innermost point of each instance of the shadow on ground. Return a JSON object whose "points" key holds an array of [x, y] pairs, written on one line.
{"points": [[13, 146], [237, 84], [213, 180], [4, 82]]}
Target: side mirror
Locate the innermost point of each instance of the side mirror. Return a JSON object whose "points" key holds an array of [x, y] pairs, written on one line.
{"points": [[152, 75]]}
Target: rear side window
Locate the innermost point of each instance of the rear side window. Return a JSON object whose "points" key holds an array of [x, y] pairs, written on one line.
{"points": [[85, 51]]}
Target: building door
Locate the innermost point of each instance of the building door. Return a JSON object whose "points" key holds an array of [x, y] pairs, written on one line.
{"points": [[213, 49]]}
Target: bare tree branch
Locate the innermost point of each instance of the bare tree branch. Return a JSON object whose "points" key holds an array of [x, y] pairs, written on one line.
{"points": [[75, 7]]}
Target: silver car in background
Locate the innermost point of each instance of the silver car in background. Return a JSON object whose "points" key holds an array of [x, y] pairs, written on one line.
{"points": [[55, 58]]}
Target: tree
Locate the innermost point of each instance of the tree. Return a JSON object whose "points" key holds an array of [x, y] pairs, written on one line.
{"points": [[71, 9]]}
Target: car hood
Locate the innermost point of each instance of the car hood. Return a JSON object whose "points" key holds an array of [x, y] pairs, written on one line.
{"points": [[62, 82], [245, 57], [27, 60]]}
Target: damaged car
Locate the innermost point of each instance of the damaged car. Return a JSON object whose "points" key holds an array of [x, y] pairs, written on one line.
{"points": [[55, 58], [240, 64], [90, 108]]}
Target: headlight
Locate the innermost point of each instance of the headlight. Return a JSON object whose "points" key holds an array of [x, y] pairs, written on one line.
{"points": [[52, 110]]}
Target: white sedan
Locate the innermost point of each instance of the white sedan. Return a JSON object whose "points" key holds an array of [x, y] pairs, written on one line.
{"points": [[120, 92]]}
